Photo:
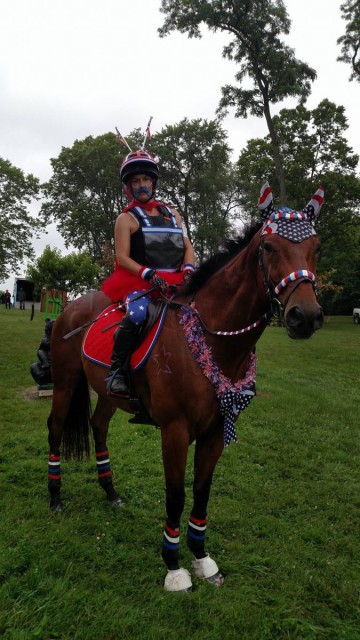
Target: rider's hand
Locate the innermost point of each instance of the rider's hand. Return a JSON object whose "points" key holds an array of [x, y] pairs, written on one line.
{"points": [[160, 284], [187, 273], [156, 281]]}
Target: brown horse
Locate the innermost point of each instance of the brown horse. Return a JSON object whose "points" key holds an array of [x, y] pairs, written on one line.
{"points": [[200, 373]]}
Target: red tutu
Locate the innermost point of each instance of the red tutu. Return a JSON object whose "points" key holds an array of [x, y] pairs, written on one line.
{"points": [[122, 282]]}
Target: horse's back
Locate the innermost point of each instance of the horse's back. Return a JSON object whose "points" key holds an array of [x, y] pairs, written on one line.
{"points": [[66, 353]]}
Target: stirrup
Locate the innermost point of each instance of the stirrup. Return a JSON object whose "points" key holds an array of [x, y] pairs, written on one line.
{"points": [[112, 380]]}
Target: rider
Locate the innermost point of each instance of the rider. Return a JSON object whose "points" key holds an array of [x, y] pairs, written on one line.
{"points": [[152, 252]]}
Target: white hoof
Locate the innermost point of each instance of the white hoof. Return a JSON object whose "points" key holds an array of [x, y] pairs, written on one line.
{"points": [[205, 567], [178, 580]]}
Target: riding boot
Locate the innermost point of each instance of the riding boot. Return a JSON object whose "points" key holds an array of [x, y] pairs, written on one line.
{"points": [[124, 341]]}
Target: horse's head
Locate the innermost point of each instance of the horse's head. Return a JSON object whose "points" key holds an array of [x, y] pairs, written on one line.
{"points": [[288, 247]]}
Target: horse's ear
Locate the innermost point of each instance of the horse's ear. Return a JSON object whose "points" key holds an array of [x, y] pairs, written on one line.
{"points": [[266, 203], [313, 207]]}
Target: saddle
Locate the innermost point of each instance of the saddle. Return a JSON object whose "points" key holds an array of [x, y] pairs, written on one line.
{"points": [[98, 343]]}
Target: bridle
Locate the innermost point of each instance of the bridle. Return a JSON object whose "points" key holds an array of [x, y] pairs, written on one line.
{"points": [[277, 308], [272, 291]]}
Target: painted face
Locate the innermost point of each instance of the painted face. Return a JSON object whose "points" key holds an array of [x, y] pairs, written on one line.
{"points": [[141, 186]]}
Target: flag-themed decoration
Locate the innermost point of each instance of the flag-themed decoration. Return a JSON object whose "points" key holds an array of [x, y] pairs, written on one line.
{"points": [[233, 397], [295, 226]]}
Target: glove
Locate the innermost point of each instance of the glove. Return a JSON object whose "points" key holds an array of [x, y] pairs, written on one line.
{"points": [[187, 273], [159, 283], [156, 281]]}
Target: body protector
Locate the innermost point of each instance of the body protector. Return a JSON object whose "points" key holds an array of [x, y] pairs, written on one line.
{"points": [[158, 243]]}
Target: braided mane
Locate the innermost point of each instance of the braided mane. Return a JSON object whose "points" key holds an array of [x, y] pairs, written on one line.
{"points": [[229, 250]]}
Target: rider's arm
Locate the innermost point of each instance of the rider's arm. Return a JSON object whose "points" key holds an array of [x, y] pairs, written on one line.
{"points": [[189, 256], [125, 225]]}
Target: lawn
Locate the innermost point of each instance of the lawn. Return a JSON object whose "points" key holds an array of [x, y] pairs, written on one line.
{"points": [[284, 514]]}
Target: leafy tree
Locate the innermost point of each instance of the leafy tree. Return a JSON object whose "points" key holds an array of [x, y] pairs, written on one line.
{"points": [[17, 227], [270, 66], [350, 41], [84, 193], [74, 273], [316, 152], [196, 175]]}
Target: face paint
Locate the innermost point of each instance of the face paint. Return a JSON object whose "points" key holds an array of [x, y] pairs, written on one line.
{"points": [[141, 190]]}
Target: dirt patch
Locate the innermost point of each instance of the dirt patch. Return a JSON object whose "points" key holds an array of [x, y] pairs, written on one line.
{"points": [[32, 393]]}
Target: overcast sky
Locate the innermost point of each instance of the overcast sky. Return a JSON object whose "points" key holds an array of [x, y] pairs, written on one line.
{"points": [[73, 68]]}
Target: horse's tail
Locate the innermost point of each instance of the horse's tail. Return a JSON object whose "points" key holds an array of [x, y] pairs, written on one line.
{"points": [[75, 439]]}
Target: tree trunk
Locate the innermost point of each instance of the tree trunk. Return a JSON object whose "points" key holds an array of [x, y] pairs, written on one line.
{"points": [[276, 151]]}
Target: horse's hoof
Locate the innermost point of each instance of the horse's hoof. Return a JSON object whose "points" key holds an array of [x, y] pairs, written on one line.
{"points": [[57, 507], [217, 580], [178, 580], [117, 502], [207, 569]]}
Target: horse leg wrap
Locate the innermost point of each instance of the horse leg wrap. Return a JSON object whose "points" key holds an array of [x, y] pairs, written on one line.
{"points": [[196, 535], [54, 474], [103, 467], [170, 545]]}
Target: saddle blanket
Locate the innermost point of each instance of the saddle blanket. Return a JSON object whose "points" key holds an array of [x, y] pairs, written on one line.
{"points": [[98, 341]]}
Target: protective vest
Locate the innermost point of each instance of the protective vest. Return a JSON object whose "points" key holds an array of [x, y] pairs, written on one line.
{"points": [[159, 241]]}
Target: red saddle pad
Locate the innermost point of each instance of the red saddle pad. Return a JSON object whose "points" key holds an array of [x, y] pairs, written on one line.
{"points": [[98, 341]]}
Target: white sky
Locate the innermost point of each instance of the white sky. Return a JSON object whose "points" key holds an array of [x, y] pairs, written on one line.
{"points": [[72, 68]]}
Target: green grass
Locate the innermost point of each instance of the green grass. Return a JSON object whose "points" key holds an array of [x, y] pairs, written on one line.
{"points": [[283, 514]]}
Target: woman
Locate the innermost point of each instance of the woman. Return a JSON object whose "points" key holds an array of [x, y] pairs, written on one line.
{"points": [[152, 252]]}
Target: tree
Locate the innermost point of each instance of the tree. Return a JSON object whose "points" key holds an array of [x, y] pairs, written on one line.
{"points": [[84, 193], [74, 273], [197, 176], [271, 66], [316, 152], [17, 227], [350, 41]]}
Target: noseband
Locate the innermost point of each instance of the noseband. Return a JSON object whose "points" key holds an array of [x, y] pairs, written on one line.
{"points": [[273, 291]]}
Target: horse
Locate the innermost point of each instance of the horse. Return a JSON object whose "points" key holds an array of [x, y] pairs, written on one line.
{"points": [[201, 372]]}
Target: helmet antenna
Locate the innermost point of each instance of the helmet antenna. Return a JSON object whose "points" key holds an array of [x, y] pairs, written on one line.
{"points": [[147, 132], [122, 139]]}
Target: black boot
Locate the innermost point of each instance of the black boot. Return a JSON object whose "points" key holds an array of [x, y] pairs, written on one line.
{"points": [[124, 341]]}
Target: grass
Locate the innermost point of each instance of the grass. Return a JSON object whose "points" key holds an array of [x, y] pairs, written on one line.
{"points": [[283, 514]]}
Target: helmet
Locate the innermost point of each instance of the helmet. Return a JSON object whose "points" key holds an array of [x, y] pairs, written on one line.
{"points": [[138, 162]]}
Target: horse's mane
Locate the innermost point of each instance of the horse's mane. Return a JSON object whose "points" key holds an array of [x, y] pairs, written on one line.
{"points": [[229, 249]]}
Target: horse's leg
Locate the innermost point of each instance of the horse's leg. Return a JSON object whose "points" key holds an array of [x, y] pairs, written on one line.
{"points": [[207, 452], [61, 401], [175, 443], [103, 413]]}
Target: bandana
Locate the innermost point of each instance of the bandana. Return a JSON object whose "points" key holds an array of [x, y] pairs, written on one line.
{"points": [[151, 204]]}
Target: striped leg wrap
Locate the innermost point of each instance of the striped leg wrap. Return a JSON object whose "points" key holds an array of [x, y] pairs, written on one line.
{"points": [[171, 537], [196, 535], [54, 468], [103, 465]]}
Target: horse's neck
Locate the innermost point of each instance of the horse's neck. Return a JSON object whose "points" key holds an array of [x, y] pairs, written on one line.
{"points": [[233, 299]]}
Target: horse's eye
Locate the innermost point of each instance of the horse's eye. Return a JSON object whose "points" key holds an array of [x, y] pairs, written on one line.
{"points": [[268, 248]]}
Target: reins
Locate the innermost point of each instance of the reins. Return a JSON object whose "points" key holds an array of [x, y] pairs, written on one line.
{"points": [[277, 308]]}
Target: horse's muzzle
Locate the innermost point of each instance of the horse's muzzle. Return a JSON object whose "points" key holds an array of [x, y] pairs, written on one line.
{"points": [[302, 322]]}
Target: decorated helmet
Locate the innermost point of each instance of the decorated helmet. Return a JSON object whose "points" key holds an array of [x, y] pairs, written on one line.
{"points": [[138, 162]]}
